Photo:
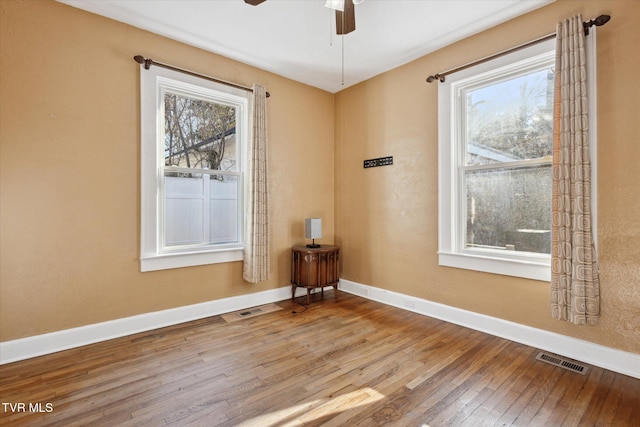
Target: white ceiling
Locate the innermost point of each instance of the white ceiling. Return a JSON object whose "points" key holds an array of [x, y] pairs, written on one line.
{"points": [[296, 38]]}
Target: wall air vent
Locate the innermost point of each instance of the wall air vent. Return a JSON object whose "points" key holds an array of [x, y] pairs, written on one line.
{"points": [[251, 312], [562, 363]]}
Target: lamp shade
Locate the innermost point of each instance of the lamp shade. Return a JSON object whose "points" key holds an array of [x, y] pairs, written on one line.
{"points": [[313, 228], [335, 5]]}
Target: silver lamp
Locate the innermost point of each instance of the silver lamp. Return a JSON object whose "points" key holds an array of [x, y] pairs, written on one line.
{"points": [[313, 230]]}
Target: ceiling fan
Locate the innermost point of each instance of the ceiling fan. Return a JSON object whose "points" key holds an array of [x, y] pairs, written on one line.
{"points": [[345, 13]]}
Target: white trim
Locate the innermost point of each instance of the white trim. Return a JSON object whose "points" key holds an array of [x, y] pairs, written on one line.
{"points": [[595, 354], [153, 83], [605, 357], [38, 345], [527, 268], [451, 201], [188, 259]]}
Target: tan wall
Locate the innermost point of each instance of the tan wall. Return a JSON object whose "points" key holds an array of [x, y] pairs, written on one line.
{"points": [[386, 218], [69, 173]]}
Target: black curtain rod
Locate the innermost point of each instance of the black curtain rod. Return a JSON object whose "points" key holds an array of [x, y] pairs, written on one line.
{"points": [[600, 20], [148, 62]]}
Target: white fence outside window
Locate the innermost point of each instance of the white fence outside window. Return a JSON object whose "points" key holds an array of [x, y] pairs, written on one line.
{"points": [[200, 210]]}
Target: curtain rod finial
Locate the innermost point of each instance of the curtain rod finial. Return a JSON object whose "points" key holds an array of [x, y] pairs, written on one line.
{"points": [[141, 60], [601, 20], [598, 22], [439, 77]]}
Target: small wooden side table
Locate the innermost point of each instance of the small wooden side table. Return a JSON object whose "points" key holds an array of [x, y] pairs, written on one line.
{"points": [[314, 268]]}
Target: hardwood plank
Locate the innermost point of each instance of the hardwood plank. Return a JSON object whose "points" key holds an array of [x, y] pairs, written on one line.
{"points": [[601, 391], [550, 393], [509, 387], [346, 361], [456, 409], [628, 411]]}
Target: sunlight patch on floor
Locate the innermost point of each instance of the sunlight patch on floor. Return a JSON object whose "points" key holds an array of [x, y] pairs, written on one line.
{"points": [[309, 411], [277, 417]]}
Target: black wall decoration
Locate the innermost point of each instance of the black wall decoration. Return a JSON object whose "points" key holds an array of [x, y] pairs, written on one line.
{"points": [[381, 161]]}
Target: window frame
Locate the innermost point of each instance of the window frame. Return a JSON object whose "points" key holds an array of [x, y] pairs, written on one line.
{"points": [[451, 192], [154, 82]]}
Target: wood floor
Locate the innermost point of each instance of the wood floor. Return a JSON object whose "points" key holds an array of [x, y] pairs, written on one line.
{"points": [[345, 362]]}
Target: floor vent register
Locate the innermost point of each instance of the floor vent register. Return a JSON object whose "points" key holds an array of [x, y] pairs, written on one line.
{"points": [[562, 363]]}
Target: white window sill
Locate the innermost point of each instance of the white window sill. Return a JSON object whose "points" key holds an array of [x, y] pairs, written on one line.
{"points": [[189, 259], [536, 269]]}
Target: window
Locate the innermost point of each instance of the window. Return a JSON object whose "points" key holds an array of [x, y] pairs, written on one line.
{"points": [[193, 137], [495, 154], [495, 164]]}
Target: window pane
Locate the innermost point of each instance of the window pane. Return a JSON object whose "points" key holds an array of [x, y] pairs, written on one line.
{"points": [[184, 203], [509, 209], [511, 120], [223, 199], [200, 209], [199, 134]]}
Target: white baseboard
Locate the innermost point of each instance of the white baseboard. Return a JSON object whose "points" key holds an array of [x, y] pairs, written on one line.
{"points": [[585, 351], [26, 348], [605, 357]]}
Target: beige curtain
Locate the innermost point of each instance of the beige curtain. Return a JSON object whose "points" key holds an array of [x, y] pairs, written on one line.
{"points": [[575, 294], [257, 260]]}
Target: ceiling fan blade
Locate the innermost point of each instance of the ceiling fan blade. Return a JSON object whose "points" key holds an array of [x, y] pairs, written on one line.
{"points": [[346, 21], [253, 2]]}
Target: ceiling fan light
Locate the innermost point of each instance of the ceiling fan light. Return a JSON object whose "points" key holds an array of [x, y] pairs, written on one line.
{"points": [[335, 5]]}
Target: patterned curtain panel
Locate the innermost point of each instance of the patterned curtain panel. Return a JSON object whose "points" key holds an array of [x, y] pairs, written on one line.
{"points": [[257, 259], [575, 294]]}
